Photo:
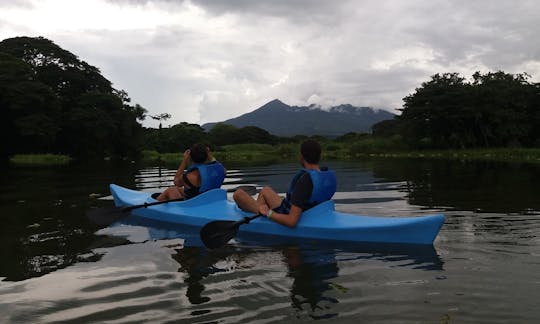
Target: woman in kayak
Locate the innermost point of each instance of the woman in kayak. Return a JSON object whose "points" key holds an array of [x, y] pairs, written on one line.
{"points": [[312, 185], [205, 173]]}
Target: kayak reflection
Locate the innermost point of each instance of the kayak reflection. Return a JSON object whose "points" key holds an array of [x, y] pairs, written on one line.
{"points": [[311, 272], [420, 256]]}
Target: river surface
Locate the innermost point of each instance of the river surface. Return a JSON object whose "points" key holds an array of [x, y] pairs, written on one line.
{"points": [[484, 266]]}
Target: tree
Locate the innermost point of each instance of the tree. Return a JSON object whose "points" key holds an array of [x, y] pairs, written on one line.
{"points": [[174, 139], [223, 134], [506, 108], [434, 115], [56, 102], [386, 128], [253, 134], [160, 117], [496, 109], [29, 109]]}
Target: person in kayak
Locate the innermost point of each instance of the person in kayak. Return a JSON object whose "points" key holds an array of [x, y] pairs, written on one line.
{"points": [[205, 173], [312, 185]]}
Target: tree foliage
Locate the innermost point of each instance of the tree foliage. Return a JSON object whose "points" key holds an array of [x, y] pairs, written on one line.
{"points": [[29, 109], [55, 102], [177, 138], [495, 109], [224, 134]]}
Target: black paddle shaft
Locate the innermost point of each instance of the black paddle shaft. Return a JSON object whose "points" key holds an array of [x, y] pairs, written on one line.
{"points": [[128, 208]]}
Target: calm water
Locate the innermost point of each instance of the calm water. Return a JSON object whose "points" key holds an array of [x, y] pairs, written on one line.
{"points": [[483, 268]]}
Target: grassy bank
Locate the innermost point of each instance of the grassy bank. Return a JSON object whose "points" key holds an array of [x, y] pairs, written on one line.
{"points": [[264, 154], [259, 154], [496, 154], [39, 159], [240, 154]]}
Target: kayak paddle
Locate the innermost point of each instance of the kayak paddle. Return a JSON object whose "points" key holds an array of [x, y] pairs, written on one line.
{"points": [[107, 215], [217, 233]]}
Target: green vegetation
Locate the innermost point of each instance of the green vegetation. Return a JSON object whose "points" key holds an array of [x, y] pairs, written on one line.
{"points": [[496, 154], [261, 154], [54, 102], [494, 110], [40, 159], [238, 154], [251, 154]]}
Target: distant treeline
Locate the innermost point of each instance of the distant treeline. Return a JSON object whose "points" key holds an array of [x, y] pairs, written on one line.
{"points": [[52, 102], [180, 137], [493, 110]]}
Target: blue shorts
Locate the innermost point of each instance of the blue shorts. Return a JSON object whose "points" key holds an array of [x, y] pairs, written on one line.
{"points": [[284, 208]]}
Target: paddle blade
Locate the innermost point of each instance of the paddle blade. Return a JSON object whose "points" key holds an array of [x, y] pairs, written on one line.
{"points": [[217, 233], [107, 215]]}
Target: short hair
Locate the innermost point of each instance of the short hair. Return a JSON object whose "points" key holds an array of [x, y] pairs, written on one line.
{"points": [[198, 153], [311, 151]]}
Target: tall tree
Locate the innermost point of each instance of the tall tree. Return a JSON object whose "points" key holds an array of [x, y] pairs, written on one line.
{"points": [[434, 115], [79, 111], [29, 109], [506, 112], [495, 109]]}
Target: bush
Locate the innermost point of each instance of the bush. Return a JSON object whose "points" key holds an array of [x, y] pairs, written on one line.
{"points": [[40, 159]]}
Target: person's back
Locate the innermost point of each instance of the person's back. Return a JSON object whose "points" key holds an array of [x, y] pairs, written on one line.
{"points": [[205, 176], [198, 178], [309, 187]]}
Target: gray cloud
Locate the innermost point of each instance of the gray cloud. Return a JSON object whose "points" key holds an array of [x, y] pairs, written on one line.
{"points": [[16, 3], [212, 60]]}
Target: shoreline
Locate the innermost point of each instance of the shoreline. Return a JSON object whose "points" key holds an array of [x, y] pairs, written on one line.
{"points": [[263, 154]]}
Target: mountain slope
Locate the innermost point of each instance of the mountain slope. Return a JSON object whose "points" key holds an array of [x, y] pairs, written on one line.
{"points": [[284, 120]]}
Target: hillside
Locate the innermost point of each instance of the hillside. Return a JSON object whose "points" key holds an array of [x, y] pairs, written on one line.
{"points": [[281, 119]]}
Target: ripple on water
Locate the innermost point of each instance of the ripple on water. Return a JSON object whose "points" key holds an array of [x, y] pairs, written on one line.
{"points": [[483, 268]]}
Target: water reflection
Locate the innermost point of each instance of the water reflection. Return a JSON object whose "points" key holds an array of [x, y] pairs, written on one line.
{"points": [[312, 266], [311, 272], [55, 267], [45, 230], [479, 186]]}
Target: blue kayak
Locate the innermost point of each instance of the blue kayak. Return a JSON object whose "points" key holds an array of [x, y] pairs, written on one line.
{"points": [[321, 222]]}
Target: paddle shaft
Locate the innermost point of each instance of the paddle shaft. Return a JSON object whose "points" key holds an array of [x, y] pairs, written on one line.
{"points": [[107, 216], [245, 220], [129, 208]]}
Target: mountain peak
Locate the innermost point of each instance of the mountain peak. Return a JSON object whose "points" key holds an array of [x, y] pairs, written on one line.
{"points": [[281, 119], [276, 103]]}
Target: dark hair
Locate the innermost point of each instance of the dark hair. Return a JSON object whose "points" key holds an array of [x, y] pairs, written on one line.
{"points": [[311, 151], [198, 153]]}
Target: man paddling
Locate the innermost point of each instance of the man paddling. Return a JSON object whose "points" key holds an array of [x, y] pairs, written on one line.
{"points": [[312, 185], [205, 173]]}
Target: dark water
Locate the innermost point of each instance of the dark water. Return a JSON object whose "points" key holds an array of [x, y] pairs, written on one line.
{"points": [[483, 268]]}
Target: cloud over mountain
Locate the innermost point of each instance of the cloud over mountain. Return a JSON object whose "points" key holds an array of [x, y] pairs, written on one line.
{"points": [[203, 60]]}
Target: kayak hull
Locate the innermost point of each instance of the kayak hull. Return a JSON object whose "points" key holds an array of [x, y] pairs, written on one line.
{"points": [[320, 222]]}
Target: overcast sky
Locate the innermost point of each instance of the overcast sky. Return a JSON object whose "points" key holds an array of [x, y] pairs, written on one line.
{"points": [[205, 61]]}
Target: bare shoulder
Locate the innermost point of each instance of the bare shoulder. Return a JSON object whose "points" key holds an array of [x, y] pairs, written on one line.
{"points": [[194, 177]]}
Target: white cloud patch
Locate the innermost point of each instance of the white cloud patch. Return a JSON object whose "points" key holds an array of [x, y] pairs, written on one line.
{"points": [[206, 61]]}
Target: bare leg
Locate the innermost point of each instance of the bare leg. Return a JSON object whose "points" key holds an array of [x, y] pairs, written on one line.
{"points": [[269, 197], [245, 201], [170, 193]]}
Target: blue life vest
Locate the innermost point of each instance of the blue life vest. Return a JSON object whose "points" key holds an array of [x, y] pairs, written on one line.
{"points": [[212, 175], [324, 185]]}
